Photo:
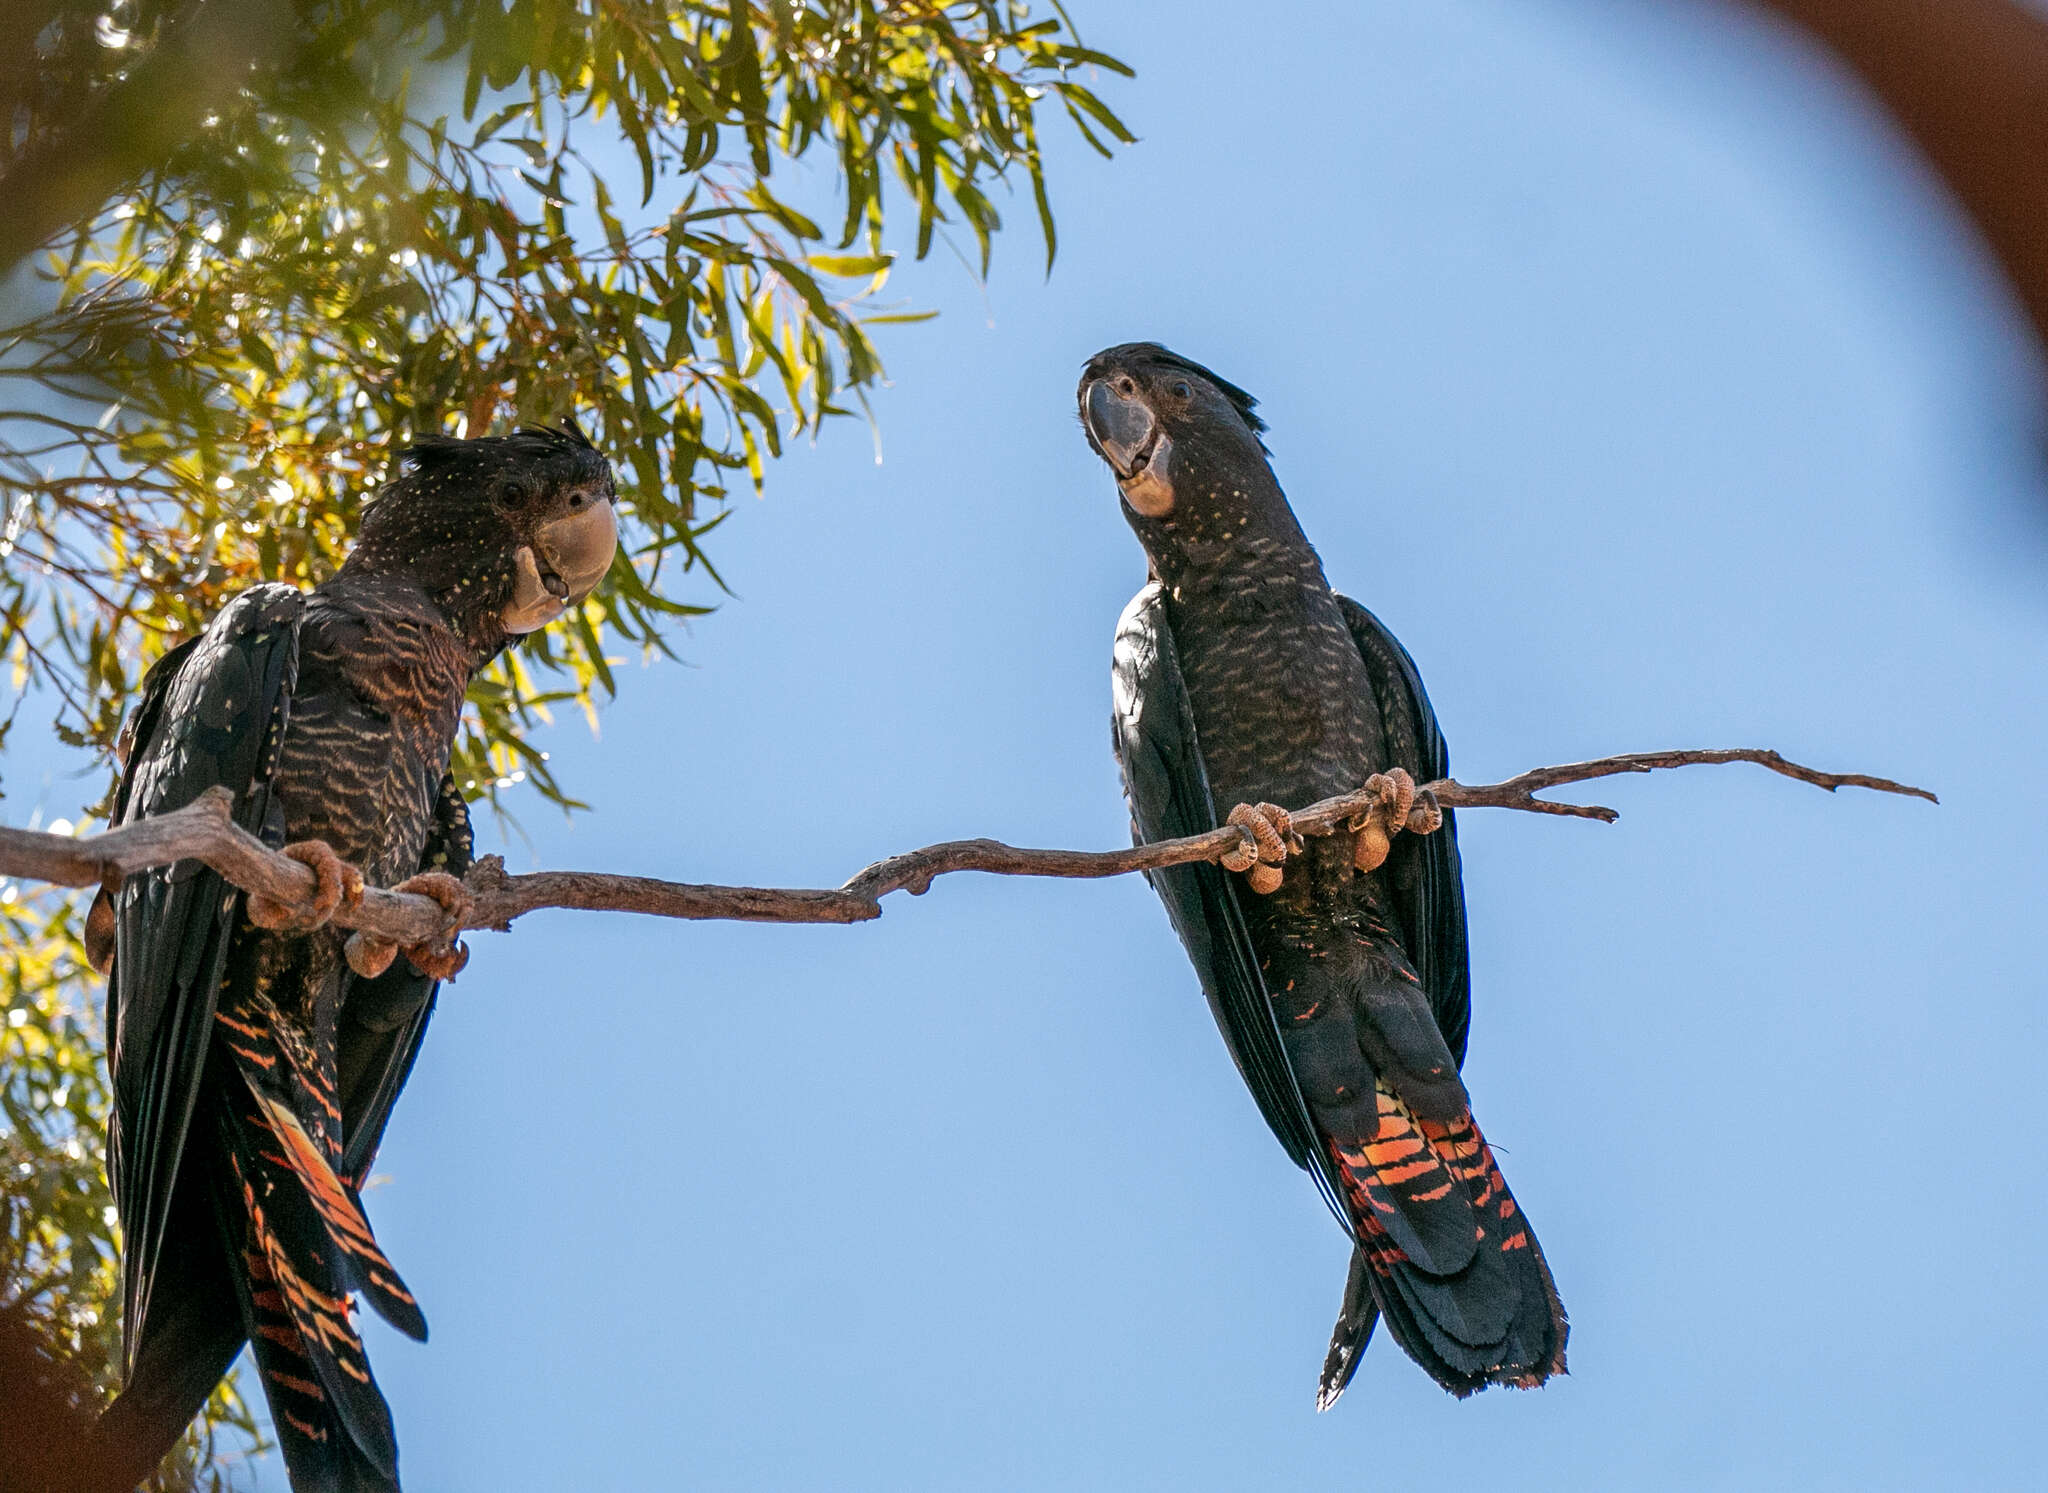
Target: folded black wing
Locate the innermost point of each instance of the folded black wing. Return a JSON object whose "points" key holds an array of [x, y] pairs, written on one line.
{"points": [[1153, 731], [211, 716], [1427, 881]]}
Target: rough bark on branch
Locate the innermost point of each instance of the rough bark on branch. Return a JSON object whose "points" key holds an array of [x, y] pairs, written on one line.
{"points": [[203, 831]]}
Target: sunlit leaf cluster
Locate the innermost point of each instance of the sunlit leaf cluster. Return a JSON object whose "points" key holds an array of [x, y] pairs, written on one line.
{"points": [[456, 215]]}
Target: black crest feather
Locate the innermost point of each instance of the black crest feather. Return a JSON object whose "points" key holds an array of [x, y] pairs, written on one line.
{"points": [[530, 443]]}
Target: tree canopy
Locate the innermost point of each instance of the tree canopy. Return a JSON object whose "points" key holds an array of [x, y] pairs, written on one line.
{"points": [[257, 245]]}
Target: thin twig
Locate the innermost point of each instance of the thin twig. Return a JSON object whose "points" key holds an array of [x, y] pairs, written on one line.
{"points": [[204, 831], [1517, 792]]}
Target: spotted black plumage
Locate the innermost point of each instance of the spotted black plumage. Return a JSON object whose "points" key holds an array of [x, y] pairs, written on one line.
{"points": [[1344, 996], [253, 1070]]}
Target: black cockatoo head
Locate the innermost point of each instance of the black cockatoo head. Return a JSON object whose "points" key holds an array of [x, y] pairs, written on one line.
{"points": [[506, 533], [1184, 446]]}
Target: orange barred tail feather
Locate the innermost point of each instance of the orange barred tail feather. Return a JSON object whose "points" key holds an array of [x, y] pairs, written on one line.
{"points": [[320, 1454], [360, 1258], [1486, 1314], [312, 1362], [307, 1247], [298, 1165]]}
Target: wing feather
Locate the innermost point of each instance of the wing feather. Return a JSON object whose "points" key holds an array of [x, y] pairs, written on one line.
{"points": [[1427, 880], [212, 715], [1167, 784]]}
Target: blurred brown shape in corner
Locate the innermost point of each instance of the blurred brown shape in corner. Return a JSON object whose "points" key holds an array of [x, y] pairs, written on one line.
{"points": [[1968, 79], [88, 137], [46, 1409]]}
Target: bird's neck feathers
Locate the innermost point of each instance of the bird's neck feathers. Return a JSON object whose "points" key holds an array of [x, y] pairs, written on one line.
{"points": [[467, 602], [1229, 520], [440, 531]]}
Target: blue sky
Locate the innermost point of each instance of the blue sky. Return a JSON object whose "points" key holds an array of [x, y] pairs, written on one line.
{"points": [[1615, 361]]}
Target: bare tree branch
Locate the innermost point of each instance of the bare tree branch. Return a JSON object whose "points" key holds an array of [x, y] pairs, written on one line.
{"points": [[1516, 792], [204, 831]]}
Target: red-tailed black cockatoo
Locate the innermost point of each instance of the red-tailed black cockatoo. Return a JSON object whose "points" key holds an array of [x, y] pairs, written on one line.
{"points": [[1336, 967], [255, 1061]]}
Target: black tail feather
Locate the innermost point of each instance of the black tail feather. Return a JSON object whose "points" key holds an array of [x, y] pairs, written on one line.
{"points": [[1355, 1322], [1531, 1350]]}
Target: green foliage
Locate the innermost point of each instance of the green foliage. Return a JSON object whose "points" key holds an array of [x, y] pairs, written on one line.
{"points": [[58, 1268], [435, 215], [351, 256]]}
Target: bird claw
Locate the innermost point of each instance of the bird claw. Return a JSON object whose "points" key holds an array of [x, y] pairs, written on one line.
{"points": [[439, 962], [1398, 805], [1427, 815], [337, 884], [369, 955], [1397, 795], [1271, 839], [441, 959]]}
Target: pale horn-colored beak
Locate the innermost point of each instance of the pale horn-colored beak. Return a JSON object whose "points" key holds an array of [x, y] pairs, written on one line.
{"points": [[568, 558], [1134, 445]]}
